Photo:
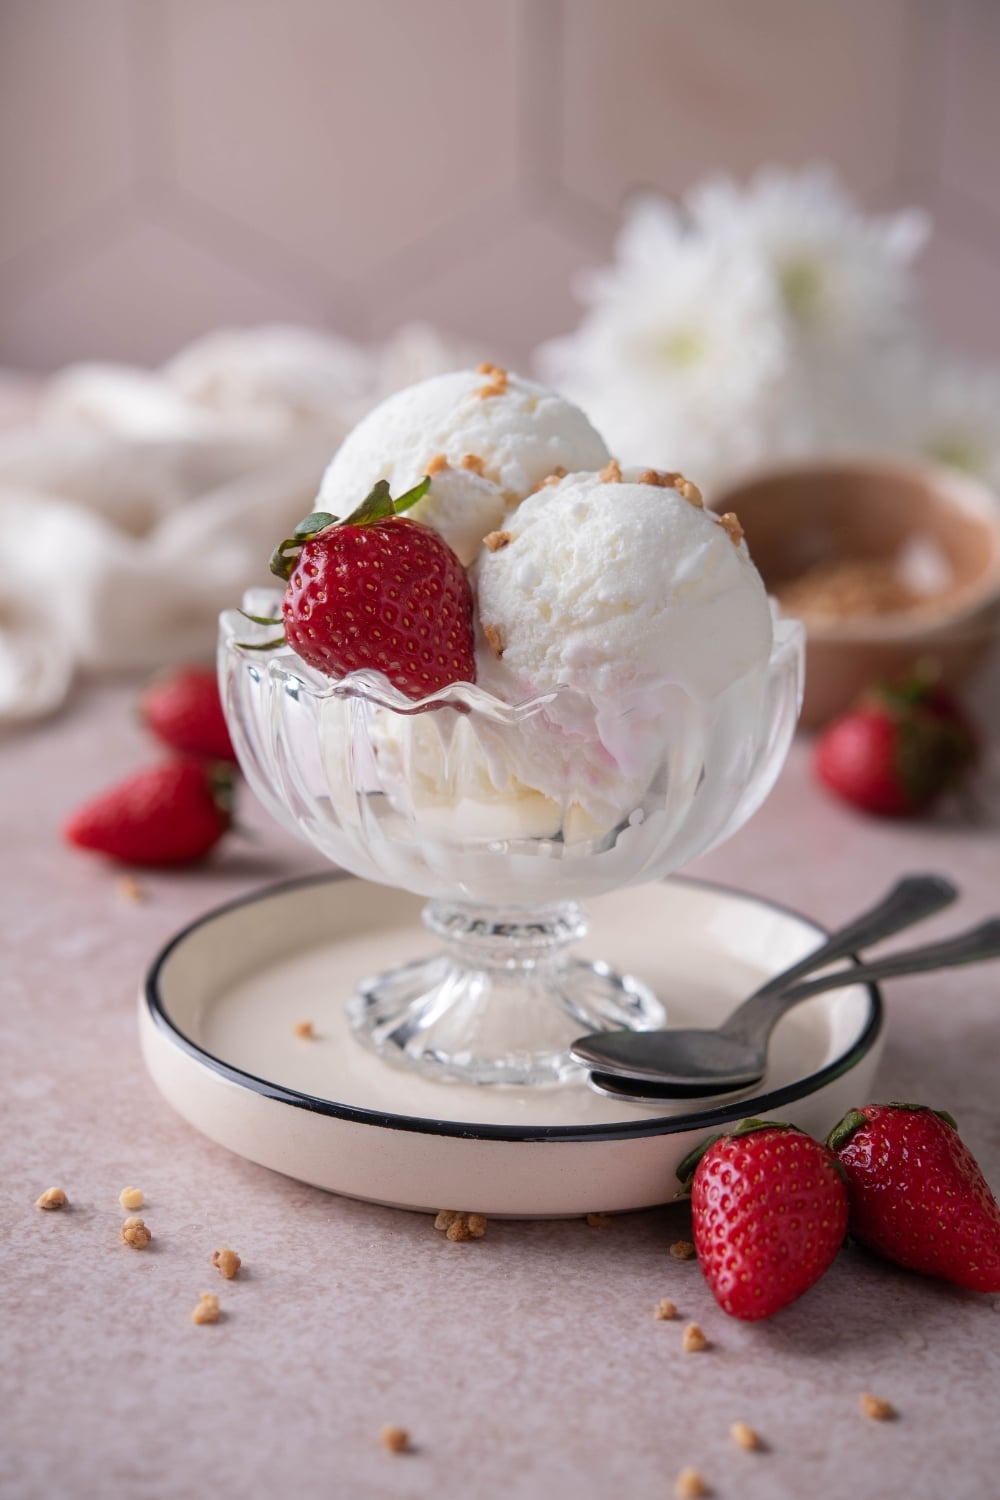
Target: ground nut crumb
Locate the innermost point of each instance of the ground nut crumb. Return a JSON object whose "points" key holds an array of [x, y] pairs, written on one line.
{"points": [[682, 1250], [495, 541], [664, 1310], [744, 1436], [52, 1198], [494, 639], [135, 1233], [436, 464], [557, 473], [693, 1340], [460, 1226], [689, 1485], [486, 368], [689, 492], [305, 1030], [730, 524], [445, 1217], [131, 1197], [611, 473], [395, 1440], [227, 1261], [598, 1221], [473, 463], [130, 890], [875, 1407], [207, 1310]]}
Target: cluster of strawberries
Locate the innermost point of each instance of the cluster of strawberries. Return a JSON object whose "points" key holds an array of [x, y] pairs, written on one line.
{"points": [[174, 812], [771, 1206]]}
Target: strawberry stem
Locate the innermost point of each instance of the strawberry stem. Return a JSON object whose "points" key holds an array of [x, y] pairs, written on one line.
{"points": [[689, 1165], [378, 505], [842, 1132]]}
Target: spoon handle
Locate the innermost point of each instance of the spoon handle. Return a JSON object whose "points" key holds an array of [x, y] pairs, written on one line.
{"points": [[972, 947], [911, 900]]}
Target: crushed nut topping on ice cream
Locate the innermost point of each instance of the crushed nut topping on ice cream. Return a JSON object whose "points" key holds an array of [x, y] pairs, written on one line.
{"points": [[550, 479], [497, 380], [682, 1250], [305, 1029], [135, 1233], [494, 640], [226, 1261], [131, 1198], [460, 1226], [473, 463], [395, 1439], [436, 464], [693, 1340], [496, 540], [611, 473], [689, 492], [730, 524], [665, 1310], [53, 1197], [207, 1310], [744, 1436], [875, 1407]]}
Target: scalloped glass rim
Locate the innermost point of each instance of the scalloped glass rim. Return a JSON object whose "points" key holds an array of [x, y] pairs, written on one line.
{"points": [[374, 687]]}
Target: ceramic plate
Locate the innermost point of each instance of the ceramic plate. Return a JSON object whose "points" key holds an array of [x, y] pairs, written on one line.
{"points": [[219, 1008]]}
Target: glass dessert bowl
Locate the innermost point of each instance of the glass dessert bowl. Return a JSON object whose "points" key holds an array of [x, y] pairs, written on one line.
{"points": [[505, 816]]}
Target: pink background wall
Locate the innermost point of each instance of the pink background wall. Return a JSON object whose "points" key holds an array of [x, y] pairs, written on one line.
{"points": [[170, 165]]}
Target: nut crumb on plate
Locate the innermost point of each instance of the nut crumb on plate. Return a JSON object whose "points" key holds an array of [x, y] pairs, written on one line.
{"points": [[744, 1436], [305, 1030], [53, 1197], [395, 1440], [693, 1340], [682, 1250], [689, 1485], [134, 1232], [598, 1221], [664, 1310], [877, 1408], [227, 1261], [131, 1197], [207, 1310]]}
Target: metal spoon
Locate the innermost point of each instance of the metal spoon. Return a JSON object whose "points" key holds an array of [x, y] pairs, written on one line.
{"points": [[697, 1064], [735, 1054]]}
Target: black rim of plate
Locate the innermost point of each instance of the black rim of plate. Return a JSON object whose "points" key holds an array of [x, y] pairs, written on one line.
{"points": [[707, 1119]]}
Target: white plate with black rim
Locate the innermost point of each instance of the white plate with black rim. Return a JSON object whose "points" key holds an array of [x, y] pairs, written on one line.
{"points": [[219, 1010]]}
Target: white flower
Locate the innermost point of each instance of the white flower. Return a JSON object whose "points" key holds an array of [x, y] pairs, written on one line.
{"points": [[953, 408], [680, 342], [843, 277]]}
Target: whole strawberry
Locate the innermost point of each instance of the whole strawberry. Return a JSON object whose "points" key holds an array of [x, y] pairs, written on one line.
{"points": [[171, 814], [184, 710], [898, 750], [917, 1195], [769, 1213], [378, 591]]}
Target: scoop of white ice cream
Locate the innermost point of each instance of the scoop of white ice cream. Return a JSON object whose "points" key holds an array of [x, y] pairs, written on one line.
{"points": [[607, 587], [500, 435]]}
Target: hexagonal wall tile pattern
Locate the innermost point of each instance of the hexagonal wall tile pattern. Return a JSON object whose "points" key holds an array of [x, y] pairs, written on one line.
{"points": [[167, 166]]}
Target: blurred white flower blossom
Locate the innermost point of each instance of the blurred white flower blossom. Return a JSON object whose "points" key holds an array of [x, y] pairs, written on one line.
{"points": [[954, 415]]}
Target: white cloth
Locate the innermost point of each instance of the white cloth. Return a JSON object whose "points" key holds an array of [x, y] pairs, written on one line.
{"points": [[142, 503]]}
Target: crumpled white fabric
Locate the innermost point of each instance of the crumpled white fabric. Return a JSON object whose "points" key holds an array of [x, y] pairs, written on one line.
{"points": [[141, 503]]}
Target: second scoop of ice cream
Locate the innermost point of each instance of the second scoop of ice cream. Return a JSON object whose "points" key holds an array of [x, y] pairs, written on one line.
{"points": [[604, 586]]}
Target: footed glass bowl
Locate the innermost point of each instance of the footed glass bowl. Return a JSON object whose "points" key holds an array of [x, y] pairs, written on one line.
{"points": [[505, 817]]}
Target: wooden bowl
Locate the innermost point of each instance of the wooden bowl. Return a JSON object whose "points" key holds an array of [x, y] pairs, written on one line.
{"points": [[936, 527]]}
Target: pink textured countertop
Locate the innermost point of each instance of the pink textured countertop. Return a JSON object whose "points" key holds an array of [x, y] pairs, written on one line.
{"points": [[525, 1364]]}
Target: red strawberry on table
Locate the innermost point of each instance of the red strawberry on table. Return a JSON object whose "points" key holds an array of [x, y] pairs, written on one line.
{"points": [[171, 814], [898, 750], [378, 591], [917, 1195], [769, 1213], [184, 710]]}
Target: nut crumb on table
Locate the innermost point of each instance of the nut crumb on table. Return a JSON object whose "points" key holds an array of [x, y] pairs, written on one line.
{"points": [[53, 1197], [305, 1030], [227, 1261], [682, 1250], [460, 1226], [130, 890], [744, 1436], [664, 1310], [135, 1233], [689, 1485], [599, 1221], [875, 1407], [395, 1440], [207, 1310], [131, 1197], [693, 1340]]}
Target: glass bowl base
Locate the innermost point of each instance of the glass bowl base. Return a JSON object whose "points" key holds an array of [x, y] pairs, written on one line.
{"points": [[501, 1004]]}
